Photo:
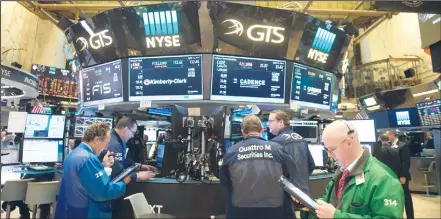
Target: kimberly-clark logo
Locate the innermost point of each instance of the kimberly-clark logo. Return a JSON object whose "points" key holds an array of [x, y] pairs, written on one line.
{"points": [[403, 118], [168, 81], [161, 29], [322, 45]]}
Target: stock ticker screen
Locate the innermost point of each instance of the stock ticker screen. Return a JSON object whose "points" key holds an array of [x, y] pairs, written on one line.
{"points": [[429, 112], [311, 87], [248, 79], [102, 84], [166, 78]]}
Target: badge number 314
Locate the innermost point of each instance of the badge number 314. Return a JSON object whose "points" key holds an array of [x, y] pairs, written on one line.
{"points": [[389, 202]]}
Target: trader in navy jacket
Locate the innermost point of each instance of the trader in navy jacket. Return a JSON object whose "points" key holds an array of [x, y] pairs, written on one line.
{"points": [[295, 145], [251, 170]]}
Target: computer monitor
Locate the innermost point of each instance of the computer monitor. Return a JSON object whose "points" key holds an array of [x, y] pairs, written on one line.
{"points": [[160, 155], [151, 134], [42, 151], [307, 129], [318, 154], [83, 122], [44, 126], [366, 130]]}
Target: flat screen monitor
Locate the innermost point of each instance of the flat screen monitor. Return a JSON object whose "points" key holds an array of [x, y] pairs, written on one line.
{"points": [[42, 151], [160, 111], [55, 81], [307, 129], [165, 78], [365, 129], [82, 123], [318, 153], [151, 134], [404, 117], [102, 84], [44, 126], [160, 156], [429, 112], [311, 87], [245, 79]]}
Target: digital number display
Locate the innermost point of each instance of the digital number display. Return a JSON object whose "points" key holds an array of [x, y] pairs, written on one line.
{"points": [[430, 112]]}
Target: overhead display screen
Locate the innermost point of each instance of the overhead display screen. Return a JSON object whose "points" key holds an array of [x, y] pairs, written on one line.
{"points": [[166, 78], [44, 126], [404, 117], [102, 84], [311, 87], [430, 112], [55, 81], [82, 123], [248, 79]]}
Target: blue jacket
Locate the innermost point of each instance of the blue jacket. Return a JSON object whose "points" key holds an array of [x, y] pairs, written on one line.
{"points": [[86, 190], [119, 147], [250, 171], [297, 148]]}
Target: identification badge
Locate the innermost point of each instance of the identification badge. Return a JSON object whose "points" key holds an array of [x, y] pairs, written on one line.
{"points": [[359, 179]]}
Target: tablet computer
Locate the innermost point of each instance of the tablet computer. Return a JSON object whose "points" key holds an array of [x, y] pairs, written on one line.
{"points": [[297, 193], [126, 172]]}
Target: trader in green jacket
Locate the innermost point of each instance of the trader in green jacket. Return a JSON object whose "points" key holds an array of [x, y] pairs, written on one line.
{"points": [[362, 187]]}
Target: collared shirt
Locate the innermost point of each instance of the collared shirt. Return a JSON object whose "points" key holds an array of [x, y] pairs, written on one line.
{"points": [[87, 146], [351, 166]]}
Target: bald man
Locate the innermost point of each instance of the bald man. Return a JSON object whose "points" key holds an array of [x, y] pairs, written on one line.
{"points": [[362, 186]]}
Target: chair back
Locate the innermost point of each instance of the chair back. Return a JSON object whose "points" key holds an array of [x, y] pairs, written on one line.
{"points": [[431, 166], [41, 193], [139, 204], [15, 190]]}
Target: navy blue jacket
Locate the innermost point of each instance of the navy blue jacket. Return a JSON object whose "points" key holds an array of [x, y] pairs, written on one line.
{"points": [[297, 148], [250, 171], [86, 190], [119, 147]]}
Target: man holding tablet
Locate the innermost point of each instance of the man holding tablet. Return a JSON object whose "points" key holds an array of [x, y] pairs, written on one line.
{"points": [[362, 186]]}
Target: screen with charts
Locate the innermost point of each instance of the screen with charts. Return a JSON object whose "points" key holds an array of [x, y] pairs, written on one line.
{"points": [[82, 123], [248, 79], [307, 129], [430, 112], [318, 154], [102, 84], [166, 78], [311, 87], [42, 151], [365, 129], [44, 126]]}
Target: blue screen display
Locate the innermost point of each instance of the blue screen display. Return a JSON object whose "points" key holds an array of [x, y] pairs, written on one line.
{"points": [[160, 111], [248, 79], [165, 78], [44, 126], [311, 87], [161, 148]]}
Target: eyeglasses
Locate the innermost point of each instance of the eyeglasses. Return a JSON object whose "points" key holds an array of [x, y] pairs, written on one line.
{"points": [[350, 131], [133, 132], [272, 120]]}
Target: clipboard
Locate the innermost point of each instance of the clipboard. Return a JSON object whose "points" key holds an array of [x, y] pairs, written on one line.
{"points": [[126, 172], [297, 193]]}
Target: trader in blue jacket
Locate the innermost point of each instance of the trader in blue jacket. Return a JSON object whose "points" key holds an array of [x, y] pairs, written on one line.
{"points": [[86, 190], [251, 170], [295, 145]]}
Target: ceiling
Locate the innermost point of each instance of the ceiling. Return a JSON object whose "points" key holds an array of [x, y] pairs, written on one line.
{"points": [[361, 13]]}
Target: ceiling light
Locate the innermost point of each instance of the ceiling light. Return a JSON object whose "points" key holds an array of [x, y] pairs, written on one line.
{"points": [[426, 92]]}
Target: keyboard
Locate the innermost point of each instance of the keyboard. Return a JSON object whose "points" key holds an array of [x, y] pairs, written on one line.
{"points": [[40, 168], [319, 172]]}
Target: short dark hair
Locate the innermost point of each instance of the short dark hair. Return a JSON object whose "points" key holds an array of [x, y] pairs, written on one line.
{"points": [[99, 130], [282, 115], [124, 122]]}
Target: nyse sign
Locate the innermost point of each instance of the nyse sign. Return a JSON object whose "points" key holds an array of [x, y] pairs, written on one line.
{"points": [[161, 29], [257, 32], [318, 56], [322, 45], [96, 41]]}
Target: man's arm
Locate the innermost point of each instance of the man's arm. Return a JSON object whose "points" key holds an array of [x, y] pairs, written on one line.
{"points": [[97, 184], [405, 161]]}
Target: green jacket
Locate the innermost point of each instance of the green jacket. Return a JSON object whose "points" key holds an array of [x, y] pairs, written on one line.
{"points": [[378, 195]]}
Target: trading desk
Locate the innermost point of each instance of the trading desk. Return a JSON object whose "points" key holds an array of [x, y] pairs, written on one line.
{"points": [[195, 199]]}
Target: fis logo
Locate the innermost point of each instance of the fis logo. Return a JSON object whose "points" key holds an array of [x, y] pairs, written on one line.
{"points": [[101, 89], [403, 118], [321, 46], [161, 29]]}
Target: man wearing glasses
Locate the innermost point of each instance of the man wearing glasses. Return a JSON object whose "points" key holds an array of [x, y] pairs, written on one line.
{"points": [[362, 186], [124, 130]]}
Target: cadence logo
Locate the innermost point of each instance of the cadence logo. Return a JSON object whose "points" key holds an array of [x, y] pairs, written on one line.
{"points": [[96, 41], [168, 81], [257, 32], [321, 46], [313, 91], [403, 118], [161, 29]]}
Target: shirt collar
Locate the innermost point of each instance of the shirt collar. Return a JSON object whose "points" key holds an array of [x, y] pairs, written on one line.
{"points": [[284, 131], [351, 166], [88, 147]]}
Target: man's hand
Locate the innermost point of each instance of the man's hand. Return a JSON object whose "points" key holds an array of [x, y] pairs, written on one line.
{"points": [[146, 167], [127, 180], [145, 175], [297, 202], [324, 210], [403, 180], [109, 159]]}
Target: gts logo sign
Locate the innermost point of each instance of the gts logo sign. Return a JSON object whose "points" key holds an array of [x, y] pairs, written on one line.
{"points": [[101, 89]]}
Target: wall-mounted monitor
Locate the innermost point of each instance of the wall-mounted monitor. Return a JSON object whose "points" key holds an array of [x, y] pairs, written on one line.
{"points": [[44, 126], [160, 111], [42, 151], [82, 123], [405, 117], [165, 78], [102, 84], [55, 81], [365, 129], [311, 87], [243, 79], [429, 112], [307, 129], [318, 154]]}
